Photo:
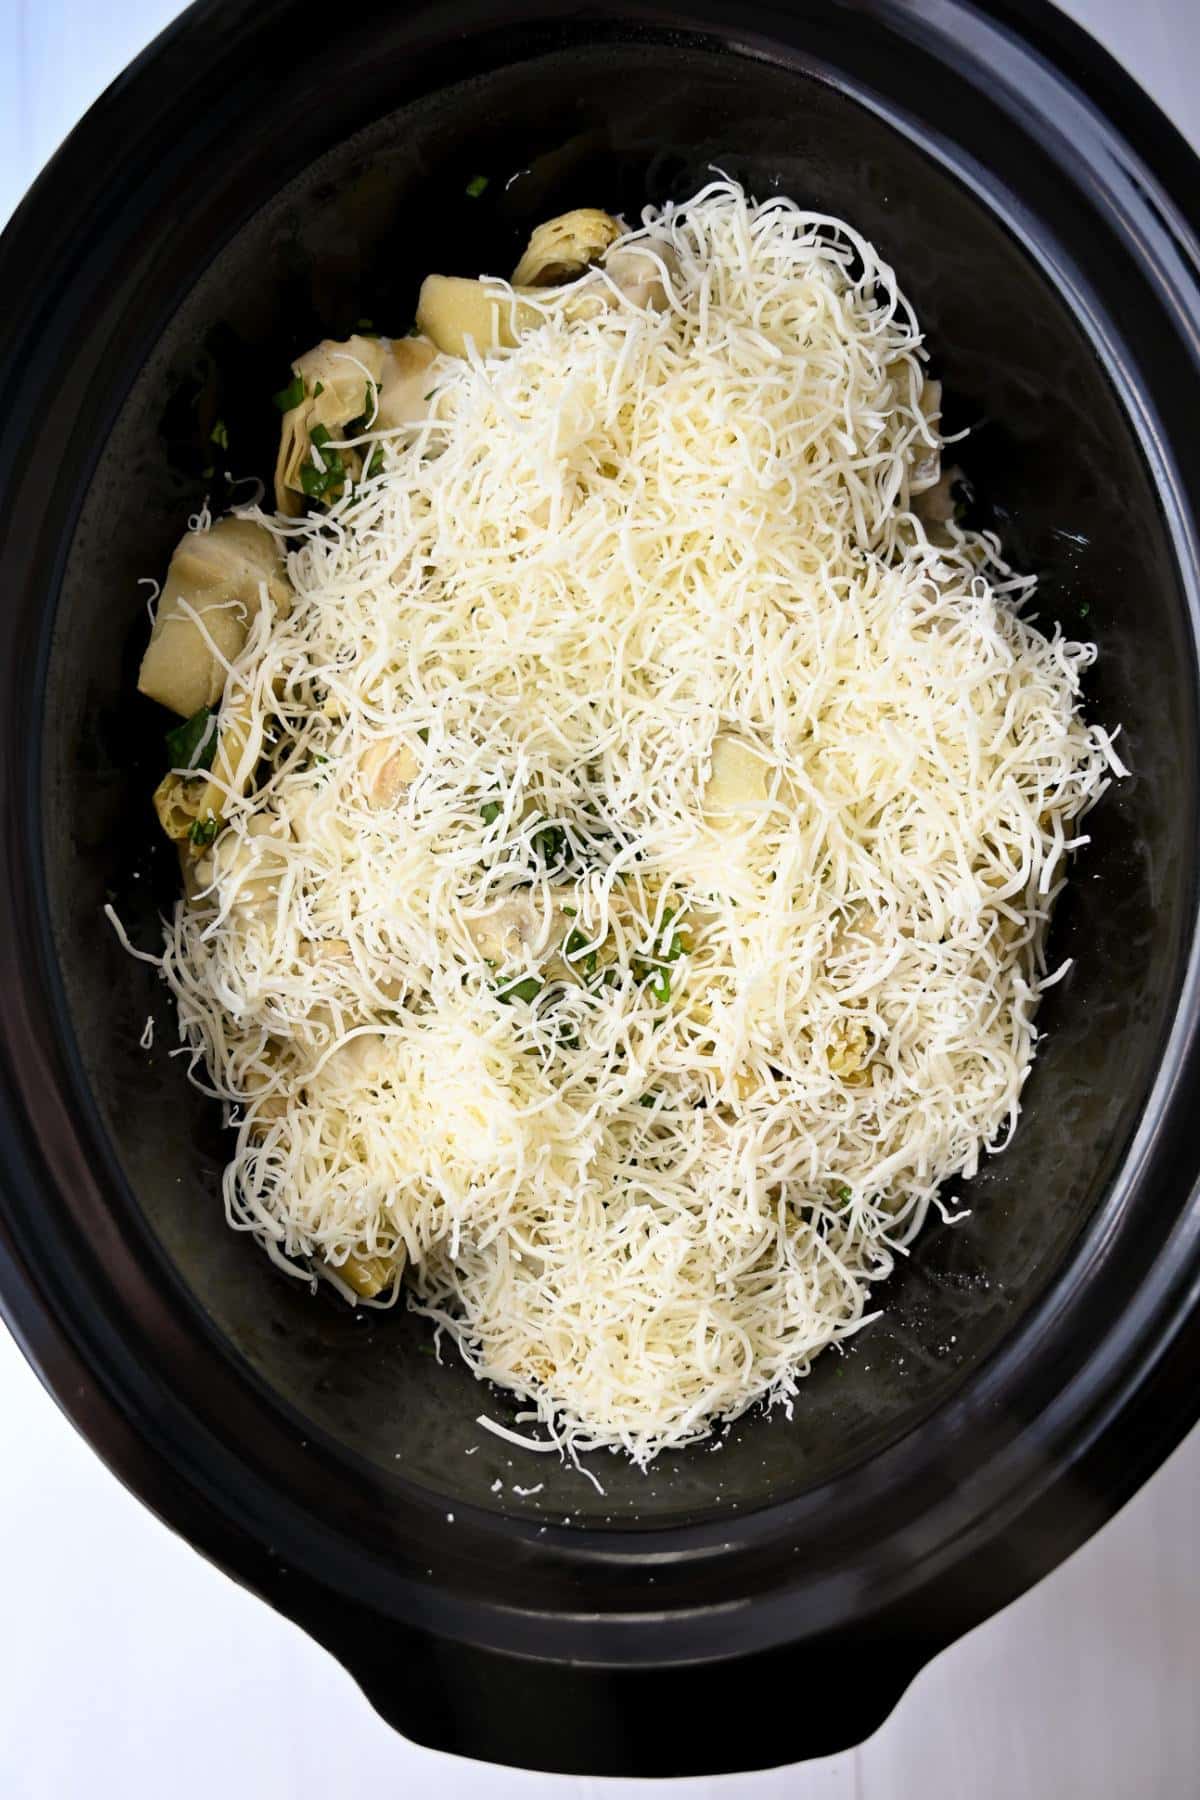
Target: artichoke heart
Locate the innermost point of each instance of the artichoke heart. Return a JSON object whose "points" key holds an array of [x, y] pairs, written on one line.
{"points": [[212, 594], [191, 808], [563, 248], [383, 384], [452, 310], [370, 1275]]}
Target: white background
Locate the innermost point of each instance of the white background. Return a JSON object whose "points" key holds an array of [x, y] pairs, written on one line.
{"points": [[130, 1667]]}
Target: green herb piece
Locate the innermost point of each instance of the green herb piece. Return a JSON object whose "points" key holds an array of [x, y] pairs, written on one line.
{"points": [[326, 482], [527, 989], [575, 950], [319, 758], [220, 435], [477, 186], [844, 1195], [321, 483], [490, 811], [193, 744], [430, 394], [648, 1100], [660, 986], [423, 734], [572, 912], [374, 463], [318, 390], [369, 400], [291, 395], [1084, 609], [675, 947], [548, 843], [203, 831]]}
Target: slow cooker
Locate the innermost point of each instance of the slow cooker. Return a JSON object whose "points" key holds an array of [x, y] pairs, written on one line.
{"points": [[267, 174]]}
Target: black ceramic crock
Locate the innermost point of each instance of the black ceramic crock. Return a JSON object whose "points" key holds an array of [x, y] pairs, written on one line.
{"points": [[268, 173]]}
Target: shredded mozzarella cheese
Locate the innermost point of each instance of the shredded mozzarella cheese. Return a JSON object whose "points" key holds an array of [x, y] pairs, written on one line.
{"points": [[646, 1054]]}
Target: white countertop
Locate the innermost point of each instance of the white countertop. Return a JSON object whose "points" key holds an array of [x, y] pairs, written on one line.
{"points": [[128, 1666]]}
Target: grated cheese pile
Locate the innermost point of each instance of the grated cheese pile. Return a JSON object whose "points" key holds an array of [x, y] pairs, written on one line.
{"points": [[694, 936]]}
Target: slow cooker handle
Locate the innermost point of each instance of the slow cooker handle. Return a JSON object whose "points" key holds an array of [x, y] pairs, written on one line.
{"points": [[701, 1718]]}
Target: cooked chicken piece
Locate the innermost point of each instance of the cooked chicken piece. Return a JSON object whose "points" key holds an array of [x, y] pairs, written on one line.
{"points": [[222, 575], [637, 269], [330, 952], [388, 770], [251, 869], [740, 781], [516, 929], [563, 248]]}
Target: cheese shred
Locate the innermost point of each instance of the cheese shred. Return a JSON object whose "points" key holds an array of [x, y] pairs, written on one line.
{"points": [[639, 912]]}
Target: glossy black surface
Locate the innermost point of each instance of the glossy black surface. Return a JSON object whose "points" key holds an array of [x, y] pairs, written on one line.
{"points": [[1027, 1371]]}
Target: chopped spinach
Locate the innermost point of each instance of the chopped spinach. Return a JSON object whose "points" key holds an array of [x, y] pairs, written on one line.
{"points": [[527, 989], [548, 844], [327, 482], [193, 744], [291, 395]]}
